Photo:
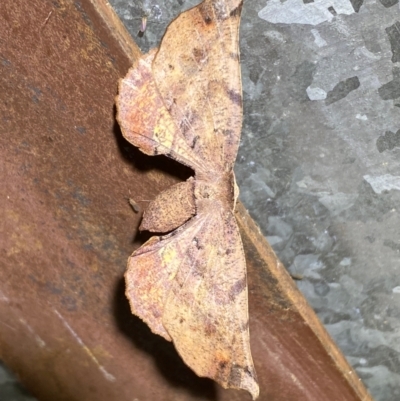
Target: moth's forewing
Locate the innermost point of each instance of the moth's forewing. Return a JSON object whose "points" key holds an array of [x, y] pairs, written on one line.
{"points": [[144, 120], [197, 73], [206, 311], [190, 286]]}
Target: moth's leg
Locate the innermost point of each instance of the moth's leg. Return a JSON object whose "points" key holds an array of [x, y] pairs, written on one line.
{"points": [[170, 209]]}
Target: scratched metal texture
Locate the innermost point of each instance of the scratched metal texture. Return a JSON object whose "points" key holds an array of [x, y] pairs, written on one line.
{"points": [[67, 229]]}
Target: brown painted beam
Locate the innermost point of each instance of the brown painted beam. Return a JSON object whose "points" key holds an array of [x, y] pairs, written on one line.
{"points": [[66, 231]]}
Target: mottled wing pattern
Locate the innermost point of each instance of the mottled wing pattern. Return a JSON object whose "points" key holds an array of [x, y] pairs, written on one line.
{"points": [[151, 273], [187, 104], [200, 84], [144, 120], [197, 295]]}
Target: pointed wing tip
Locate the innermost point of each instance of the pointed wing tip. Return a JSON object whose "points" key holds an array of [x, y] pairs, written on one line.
{"points": [[248, 382], [243, 379], [252, 387]]}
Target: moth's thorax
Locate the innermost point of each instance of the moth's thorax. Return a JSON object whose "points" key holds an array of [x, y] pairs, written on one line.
{"points": [[219, 189]]}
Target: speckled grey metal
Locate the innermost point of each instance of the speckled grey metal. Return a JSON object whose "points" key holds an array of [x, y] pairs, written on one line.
{"points": [[10, 388]]}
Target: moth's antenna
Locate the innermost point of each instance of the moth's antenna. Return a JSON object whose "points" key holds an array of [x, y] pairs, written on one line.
{"points": [[134, 205]]}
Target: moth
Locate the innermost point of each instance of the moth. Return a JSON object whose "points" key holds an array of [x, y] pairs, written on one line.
{"points": [[184, 101]]}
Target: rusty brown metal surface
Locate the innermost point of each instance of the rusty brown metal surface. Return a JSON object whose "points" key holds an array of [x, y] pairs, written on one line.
{"points": [[66, 230]]}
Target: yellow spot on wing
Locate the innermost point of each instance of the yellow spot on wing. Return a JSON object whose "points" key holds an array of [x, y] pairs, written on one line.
{"points": [[168, 255]]}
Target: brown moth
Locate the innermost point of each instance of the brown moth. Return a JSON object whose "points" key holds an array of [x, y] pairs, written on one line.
{"points": [[184, 100]]}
